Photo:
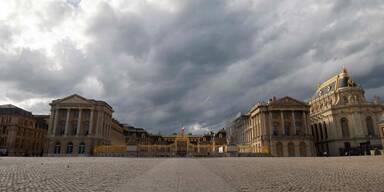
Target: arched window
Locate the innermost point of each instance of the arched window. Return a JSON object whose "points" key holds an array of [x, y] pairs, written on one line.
{"points": [[325, 130], [57, 148], [344, 127], [369, 122], [312, 130], [321, 131], [85, 127], [303, 149], [291, 149], [279, 149], [81, 148], [69, 148]]}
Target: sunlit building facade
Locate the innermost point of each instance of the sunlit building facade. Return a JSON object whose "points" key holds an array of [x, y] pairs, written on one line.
{"points": [[338, 120], [21, 133], [343, 122], [277, 128], [143, 144], [77, 125]]}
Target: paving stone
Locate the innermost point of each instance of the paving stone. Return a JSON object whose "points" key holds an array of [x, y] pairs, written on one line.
{"points": [[191, 174]]}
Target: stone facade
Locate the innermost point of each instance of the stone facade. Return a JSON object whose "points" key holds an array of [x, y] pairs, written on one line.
{"points": [[135, 136], [337, 121], [342, 121], [21, 133], [236, 133], [143, 143], [77, 125], [278, 128], [117, 133], [381, 129]]}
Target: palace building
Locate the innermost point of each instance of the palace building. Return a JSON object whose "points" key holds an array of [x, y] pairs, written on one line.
{"points": [[78, 124], [337, 121], [342, 121], [117, 133], [278, 128], [141, 143], [21, 133]]}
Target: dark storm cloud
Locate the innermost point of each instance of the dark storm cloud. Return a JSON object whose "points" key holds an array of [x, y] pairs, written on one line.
{"points": [[33, 72], [205, 61]]}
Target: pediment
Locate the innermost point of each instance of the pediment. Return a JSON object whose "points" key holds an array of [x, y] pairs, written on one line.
{"points": [[287, 101], [74, 99]]}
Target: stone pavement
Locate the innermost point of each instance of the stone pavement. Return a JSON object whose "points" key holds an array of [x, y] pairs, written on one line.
{"points": [[189, 174], [175, 175]]}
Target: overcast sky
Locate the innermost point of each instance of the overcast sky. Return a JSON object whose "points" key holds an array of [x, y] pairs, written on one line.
{"points": [[193, 63]]}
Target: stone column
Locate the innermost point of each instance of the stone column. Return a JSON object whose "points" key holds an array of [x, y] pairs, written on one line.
{"points": [[305, 123], [56, 119], [67, 122], [308, 122], [78, 123], [282, 122], [91, 122], [104, 125], [50, 124], [101, 128], [294, 123], [109, 127], [99, 125], [263, 130], [102, 133], [270, 123]]}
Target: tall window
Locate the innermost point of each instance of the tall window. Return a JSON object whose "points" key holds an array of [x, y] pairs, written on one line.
{"points": [[86, 127], [275, 128], [287, 130], [69, 148], [61, 127], [325, 130], [57, 148], [312, 131], [74, 127], [291, 149], [303, 149], [369, 122], [81, 148], [279, 149], [344, 127]]}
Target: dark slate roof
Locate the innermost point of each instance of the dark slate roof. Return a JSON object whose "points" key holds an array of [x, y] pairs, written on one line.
{"points": [[10, 109]]}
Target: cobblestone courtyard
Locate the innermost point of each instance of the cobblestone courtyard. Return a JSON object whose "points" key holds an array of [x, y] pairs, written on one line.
{"points": [[183, 174]]}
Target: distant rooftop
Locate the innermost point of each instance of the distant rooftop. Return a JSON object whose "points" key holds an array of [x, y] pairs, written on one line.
{"points": [[10, 109]]}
